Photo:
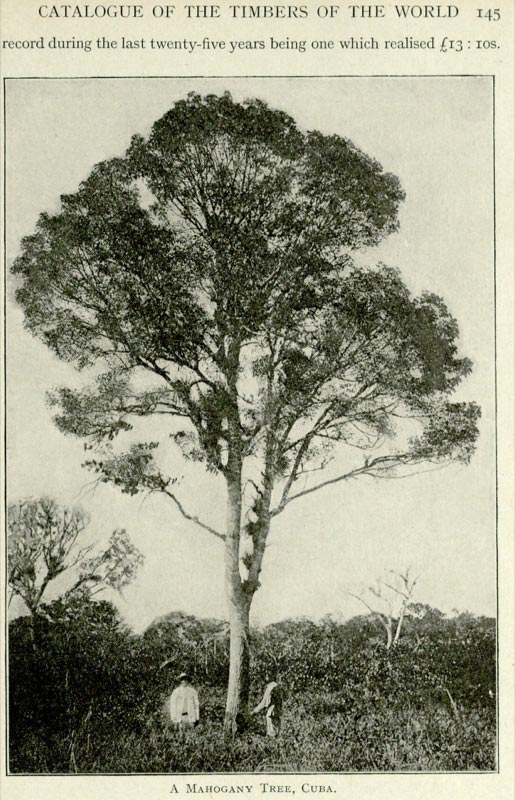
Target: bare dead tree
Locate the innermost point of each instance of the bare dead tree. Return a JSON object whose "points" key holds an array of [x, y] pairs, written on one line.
{"points": [[388, 600]]}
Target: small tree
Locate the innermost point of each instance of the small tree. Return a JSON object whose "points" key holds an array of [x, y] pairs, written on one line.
{"points": [[44, 541], [215, 260], [389, 601]]}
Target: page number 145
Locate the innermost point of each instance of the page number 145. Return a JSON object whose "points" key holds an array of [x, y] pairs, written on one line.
{"points": [[491, 14]]}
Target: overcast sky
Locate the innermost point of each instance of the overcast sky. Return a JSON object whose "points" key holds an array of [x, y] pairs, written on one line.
{"points": [[436, 135]]}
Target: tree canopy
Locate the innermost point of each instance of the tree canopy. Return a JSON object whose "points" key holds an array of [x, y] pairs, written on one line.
{"points": [[230, 231]]}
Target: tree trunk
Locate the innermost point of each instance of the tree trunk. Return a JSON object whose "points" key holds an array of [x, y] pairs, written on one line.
{"points": [[240, 592], [389, 636], [237, 601], [239, 667]]}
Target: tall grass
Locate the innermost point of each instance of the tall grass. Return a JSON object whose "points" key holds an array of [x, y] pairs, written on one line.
{"points": [[320, 734]]}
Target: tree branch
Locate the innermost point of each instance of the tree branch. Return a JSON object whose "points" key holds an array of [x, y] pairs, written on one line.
{"points": [[367, 469], [386, 621], [192, 518], [294, 471]]}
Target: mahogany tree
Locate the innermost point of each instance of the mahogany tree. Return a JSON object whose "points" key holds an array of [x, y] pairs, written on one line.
{"points": [[215, 258]]}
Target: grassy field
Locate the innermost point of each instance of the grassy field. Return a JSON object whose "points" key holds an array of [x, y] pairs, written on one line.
{"points": [[319, 735]]}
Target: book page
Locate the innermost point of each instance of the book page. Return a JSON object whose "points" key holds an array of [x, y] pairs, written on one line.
{"points": [[258, 400]]}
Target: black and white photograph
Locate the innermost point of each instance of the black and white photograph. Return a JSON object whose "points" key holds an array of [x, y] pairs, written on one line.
{"points": [[251, 425]]}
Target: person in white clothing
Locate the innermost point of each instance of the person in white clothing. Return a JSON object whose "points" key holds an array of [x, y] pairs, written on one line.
{"points": [[184, 704], [272, 703]]}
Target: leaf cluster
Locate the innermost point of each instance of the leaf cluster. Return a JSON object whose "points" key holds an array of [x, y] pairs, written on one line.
{"points": [[45, 540]]}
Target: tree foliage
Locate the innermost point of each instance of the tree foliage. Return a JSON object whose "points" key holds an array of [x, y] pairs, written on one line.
{"points": [[216, 259], [45, 540]]}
